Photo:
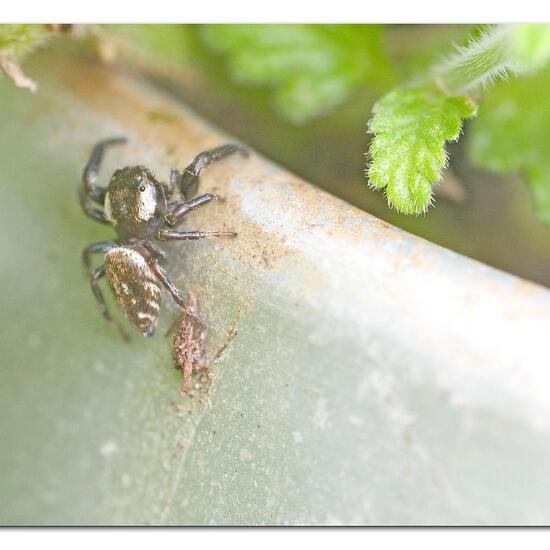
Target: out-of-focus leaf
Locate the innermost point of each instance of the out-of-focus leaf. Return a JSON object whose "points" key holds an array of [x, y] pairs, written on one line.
{"points": [[512, 134], [168, 44], [16, 41], [530, 46], [312, 68]]}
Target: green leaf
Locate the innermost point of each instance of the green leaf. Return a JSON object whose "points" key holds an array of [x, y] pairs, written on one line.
{"points": [[512, 134], [19, 40], [16, 41], [312, 68], [410, 128]]}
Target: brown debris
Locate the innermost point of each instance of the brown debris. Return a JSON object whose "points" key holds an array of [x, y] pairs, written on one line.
{"points": [[188, 348]]}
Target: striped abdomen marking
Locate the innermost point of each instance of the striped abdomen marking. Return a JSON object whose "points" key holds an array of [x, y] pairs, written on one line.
{"points": [[136, 289]]}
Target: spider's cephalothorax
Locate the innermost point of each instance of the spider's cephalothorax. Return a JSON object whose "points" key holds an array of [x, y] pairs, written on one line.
{"points": [[141, 210], [135, 203]]}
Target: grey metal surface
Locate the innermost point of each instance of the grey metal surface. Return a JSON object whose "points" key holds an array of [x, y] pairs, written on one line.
{"points": [[375, 378]]}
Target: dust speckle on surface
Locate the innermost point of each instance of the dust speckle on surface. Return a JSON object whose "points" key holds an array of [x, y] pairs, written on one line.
{"points": [[109, 448], [99, 367], [126, 480], [321, 416], [245, 455], [34, 340]]}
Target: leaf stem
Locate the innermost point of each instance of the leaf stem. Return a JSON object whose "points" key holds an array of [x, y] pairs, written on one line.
{"points": [[476, 65]]}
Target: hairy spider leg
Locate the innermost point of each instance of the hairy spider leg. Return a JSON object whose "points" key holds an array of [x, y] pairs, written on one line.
{"points": [[188, 181], [95, 276], [96, 248], [90, 192]]}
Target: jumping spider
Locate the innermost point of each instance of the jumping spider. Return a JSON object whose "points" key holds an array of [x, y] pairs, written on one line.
{"points": [[142, 211]]}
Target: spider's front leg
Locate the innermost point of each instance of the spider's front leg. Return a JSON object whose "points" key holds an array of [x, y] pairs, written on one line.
{"points": [[91, 193], [188, 182], [172, 235]]}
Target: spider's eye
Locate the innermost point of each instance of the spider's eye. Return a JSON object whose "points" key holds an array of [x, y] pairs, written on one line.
{"points": [[141, 188]]}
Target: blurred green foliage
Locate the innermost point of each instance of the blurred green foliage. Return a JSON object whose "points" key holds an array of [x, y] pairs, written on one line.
{"points": [[512, 134], [17, 41], [312, 68], [529, 47], [168, 44]]}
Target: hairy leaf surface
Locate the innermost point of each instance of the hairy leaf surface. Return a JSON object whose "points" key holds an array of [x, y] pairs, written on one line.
{"points": [[411, 127]]}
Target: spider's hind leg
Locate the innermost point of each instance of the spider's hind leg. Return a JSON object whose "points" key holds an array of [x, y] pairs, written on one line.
{"points": [[174, 291], [95, 248], [102, 304]]}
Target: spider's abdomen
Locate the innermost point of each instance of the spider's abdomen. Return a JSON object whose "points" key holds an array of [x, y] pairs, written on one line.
{"points": [[136, 289]]}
